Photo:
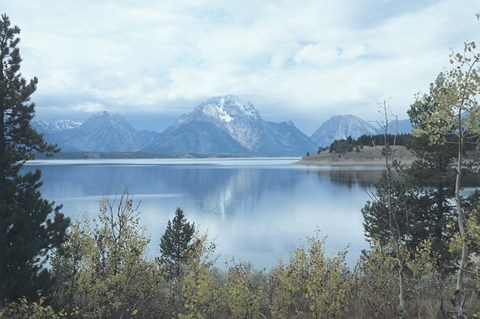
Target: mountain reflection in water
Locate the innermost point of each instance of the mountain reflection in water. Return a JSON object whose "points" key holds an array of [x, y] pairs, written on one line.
{"points": [[257, 210]]}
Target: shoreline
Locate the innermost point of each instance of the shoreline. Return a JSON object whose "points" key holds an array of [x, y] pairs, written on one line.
{"points": [[348, 162], [367, 156]]}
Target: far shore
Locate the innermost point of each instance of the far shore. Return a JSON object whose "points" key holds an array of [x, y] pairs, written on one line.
{"points": [[348, 162], [368, 156]]}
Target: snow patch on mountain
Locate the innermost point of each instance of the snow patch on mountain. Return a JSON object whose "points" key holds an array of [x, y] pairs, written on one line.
{"points": [[217, 112], [62, 125], [55, 126]]}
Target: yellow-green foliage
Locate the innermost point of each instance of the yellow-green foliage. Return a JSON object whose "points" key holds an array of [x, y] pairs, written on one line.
{"points": [[425, 285], [473, 226], [199, 291], [376, 283], [453, 96], [104, 272], [242, 291], [311, 285], [22, 309], [473, 231]]}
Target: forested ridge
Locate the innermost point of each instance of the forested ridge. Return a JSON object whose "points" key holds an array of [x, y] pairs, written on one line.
{"points": [[424, 234]]}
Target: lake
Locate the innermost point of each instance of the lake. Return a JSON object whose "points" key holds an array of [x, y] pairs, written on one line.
{"points": [[256, 209]]}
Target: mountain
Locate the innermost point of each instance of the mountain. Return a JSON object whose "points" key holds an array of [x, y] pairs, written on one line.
{"points": [[102, 132], [341, 127], [400, 127], [54, 132], [196, 138], [227, 125], [105, 132], [55, 126]]}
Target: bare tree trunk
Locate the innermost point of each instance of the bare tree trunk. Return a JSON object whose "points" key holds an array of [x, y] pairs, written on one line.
{"points": [[398, 249], [394, 228], [460, 290]]}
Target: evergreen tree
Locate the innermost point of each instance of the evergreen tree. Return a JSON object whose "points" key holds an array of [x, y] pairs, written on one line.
{"points": [[175, 242], [423, 196], [29, 225]]}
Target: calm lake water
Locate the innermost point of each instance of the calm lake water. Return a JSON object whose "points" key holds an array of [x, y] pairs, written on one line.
{"points": [[257, 210]]}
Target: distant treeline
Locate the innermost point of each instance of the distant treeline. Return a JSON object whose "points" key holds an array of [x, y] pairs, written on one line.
{"points": [[127, 155], [349, 144]]}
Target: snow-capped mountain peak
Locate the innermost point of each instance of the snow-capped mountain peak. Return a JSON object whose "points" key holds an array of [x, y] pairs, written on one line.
{"points": [[56, 126], [227, 108], [229, 125], [62, 125]]}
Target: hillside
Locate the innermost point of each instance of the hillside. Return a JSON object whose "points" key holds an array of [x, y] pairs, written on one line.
{"points": [[368, 155]]}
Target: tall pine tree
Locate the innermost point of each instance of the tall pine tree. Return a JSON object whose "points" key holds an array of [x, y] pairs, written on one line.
{"points": [[176, 241], [29, 225]]}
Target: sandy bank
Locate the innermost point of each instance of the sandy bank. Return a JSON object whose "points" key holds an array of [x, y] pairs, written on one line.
{"points": [[368, 156]]}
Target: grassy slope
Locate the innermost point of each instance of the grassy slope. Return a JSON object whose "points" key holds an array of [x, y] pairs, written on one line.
{"points": [[367, 155]]}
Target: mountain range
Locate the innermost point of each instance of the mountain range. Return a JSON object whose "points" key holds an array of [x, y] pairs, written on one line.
{"points": [[102, 132], [221, 126]]}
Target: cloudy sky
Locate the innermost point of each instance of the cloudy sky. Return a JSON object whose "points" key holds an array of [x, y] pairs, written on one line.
{"points": [[152, 60]]}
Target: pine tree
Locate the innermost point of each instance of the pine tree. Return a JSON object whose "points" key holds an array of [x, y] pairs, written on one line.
{"points": [[423, 196], [29, 225], [176, 240]]}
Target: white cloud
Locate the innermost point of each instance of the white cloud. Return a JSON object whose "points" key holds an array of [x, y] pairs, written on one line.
{"points": [[308, 58], [322, 55], [89, 107], [317, 54]]}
